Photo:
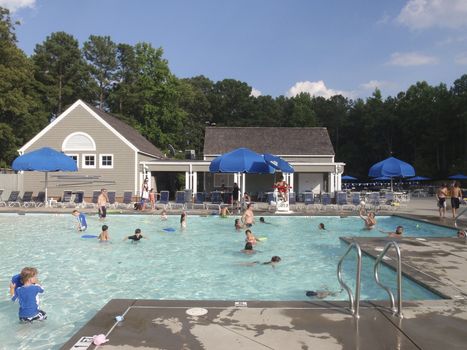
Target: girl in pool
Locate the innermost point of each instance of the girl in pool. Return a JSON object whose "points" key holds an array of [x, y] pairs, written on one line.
{"points": [[104, 236], [183, 221], [250, 238]]}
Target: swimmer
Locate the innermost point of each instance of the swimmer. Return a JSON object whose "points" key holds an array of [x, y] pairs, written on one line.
{"points": [[164, 215], [321, 226], [81, 224], [250, 238], [263, 221], [224, 212], [370, 219], [136, 237], [321, 294], [238, 225], [398, 233], [104, 236], [183, 220], [28, 297], [461, 234], [248, 249], [274, 260]]}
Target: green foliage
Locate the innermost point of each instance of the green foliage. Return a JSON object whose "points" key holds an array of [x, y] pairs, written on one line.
{"points": [[425, 125]]}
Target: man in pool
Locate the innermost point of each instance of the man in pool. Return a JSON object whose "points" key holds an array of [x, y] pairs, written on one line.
{"points": [[136, 237], [81, 224], [370, 219], [248, 217]]}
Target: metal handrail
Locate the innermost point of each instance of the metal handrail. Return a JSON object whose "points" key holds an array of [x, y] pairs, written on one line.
{"points": [[398, 310], [354, 301], [458, 215]]}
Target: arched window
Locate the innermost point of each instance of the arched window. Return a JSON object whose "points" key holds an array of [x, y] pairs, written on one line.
{"points": [[78, 141]]}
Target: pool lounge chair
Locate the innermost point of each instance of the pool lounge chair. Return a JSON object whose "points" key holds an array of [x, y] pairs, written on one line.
{"points": [[66, 200], [198, 202], [326, 202], [163, 201], [95, 196], [127, 201], [79, 199], [40, 199], [373, 201], [180, 200], [27, 200], [341, 201], [112, 203], [13, 199]]}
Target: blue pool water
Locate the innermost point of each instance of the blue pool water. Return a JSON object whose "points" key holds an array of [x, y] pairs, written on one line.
{"points": [[202, 262]]}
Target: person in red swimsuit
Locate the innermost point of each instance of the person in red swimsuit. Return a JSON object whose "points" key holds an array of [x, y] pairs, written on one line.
{"points": [[282, 188]]}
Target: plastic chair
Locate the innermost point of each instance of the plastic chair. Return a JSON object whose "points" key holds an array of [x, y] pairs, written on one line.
{"points": [[27, 200], [13, 199]]}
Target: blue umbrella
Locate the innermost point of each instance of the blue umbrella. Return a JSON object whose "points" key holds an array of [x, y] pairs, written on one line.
{"points": [[383, 178], [44, 159], [278, 163], [419, 178], [348, 178], [391, 167], [458, 177], [240, 160]]}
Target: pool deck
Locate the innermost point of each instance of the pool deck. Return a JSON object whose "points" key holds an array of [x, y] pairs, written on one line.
{"points": [[439, 264]]}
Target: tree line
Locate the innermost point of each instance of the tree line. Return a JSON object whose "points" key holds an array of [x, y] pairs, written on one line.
{"points": [[424, 125]]}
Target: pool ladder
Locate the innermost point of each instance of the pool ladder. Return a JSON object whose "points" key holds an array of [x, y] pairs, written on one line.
{"points": [[355, 300]]}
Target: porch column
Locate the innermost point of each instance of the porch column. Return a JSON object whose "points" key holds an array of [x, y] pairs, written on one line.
{"points": [[187, 180], [195, 182], [291, 183], [339, 182], [331, 184]]}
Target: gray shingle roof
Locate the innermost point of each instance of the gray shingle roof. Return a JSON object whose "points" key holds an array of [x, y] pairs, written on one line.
{"points": [[279, 141], [128, 132]]}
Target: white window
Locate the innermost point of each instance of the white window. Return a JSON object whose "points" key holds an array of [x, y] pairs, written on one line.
{"points": [[89, 161], [223, 179], [106, 161], [75, 157], [78, 141]]}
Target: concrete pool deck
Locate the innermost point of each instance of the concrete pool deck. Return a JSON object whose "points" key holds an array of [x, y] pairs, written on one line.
{"points": [[437, 263]]}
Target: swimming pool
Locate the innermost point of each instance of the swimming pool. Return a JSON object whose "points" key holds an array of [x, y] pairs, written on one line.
{"points": [[203, 262]]}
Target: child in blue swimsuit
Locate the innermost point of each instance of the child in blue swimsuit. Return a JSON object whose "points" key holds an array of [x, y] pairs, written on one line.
{"points": [[28, 298]]}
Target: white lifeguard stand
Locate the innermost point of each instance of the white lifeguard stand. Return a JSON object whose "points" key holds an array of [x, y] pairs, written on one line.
{"points": [[282, 207]]}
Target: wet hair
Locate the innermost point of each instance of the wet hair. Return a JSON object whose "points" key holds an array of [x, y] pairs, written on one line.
{"points": [[138, 230], [399, 228], [182, 216], [105, 227], [237, 222], [248, 205], [321, 226], [247, 231], [261, 219], [275, 258], [75, 211], [248, 246]]}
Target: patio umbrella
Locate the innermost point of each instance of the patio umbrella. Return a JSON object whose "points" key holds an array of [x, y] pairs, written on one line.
{"points": [[458, 177], [419, 178], [348, 178], [383, 178], [46, 160], [278, 163], [240, 160], [391, 167]]}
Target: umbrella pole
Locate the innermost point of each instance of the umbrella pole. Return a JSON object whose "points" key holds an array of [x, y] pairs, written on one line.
{"points": [[391, 184], [46, 178]]}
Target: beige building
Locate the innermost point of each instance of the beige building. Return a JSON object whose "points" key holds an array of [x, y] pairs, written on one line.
{"points": [[108, 152], [111, 154]]}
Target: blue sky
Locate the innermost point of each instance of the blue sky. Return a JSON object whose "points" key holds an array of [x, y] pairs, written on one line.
{"points": [[277, 47]]}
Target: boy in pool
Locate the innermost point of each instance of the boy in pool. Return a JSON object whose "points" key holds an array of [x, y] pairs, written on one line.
{"points": [[164, 215], [136, 237], [370, 219], [28, 297], [104, 236], [238, 225], [321, 226], [250, 238], [81, 224], [17, 281], [398, 233]]}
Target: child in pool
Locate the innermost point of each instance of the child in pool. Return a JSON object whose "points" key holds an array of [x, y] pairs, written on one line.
{"points": [[104, 236], [163, 215], [250, 238], [28, 297], [183, 221], [81, 224]]}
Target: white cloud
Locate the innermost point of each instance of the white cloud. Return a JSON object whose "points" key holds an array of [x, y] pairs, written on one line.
{"points": [[461, 58], [316, 88], [421, 14], [255, 92], [377, 84], [14, 5], [406, 59]]}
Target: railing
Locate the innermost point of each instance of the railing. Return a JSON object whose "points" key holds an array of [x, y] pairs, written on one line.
{"points": [[462, 212], [354, 301], [397, 311]]}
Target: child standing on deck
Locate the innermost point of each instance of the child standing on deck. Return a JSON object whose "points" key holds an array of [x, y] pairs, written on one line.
{"points": [[28, 296]]}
